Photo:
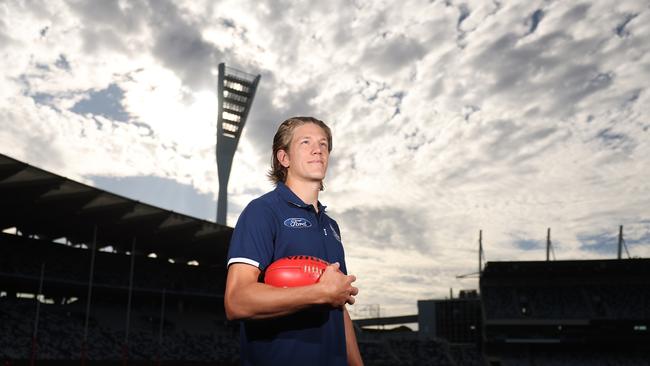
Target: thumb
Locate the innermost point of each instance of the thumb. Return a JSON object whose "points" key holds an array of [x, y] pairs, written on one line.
{"points": [[336, 265]]}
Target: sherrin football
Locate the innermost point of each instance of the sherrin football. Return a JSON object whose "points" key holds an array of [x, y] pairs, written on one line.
{"points": [[294, 271]]}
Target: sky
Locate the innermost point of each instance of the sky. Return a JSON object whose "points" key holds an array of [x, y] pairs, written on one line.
{"points": [[449, 117]]}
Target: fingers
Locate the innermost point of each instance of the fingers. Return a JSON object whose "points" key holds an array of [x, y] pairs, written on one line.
{"points": [[354, 291], [340, 285]]}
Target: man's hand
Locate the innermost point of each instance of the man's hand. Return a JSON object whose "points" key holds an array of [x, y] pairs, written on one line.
{"points": [[337, 286], [246, 298]]}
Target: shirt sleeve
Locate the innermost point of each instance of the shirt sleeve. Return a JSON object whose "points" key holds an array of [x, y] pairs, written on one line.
{"points": [[254, 235]]}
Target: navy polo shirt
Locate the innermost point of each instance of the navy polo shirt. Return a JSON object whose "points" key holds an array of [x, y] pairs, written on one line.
{"points": [[276, 225]]}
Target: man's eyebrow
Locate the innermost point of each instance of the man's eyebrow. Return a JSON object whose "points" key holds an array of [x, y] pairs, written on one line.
{"points": [[324, 138]]}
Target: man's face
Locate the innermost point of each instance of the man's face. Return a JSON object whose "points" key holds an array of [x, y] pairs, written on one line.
{"points": [[308, 154]]}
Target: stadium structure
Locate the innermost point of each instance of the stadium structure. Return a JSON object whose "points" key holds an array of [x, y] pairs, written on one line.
{"points": [[572, 312], [90, 276], [236, 90], [589, 312]]}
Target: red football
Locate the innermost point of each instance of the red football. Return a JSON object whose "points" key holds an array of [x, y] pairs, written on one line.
{"points": [[295, 270]]}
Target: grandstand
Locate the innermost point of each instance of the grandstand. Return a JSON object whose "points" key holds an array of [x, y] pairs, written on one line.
{"points": [[588, 312], [151, 291], [591, 312]]}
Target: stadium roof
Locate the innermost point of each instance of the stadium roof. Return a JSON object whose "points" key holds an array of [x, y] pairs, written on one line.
{"points": [[567, 272], [49, 206]]}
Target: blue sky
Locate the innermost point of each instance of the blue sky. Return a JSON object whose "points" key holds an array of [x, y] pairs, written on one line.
{"points": [[448, 117]]}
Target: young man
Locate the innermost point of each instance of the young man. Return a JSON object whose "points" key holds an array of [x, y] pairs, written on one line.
{"points": [[306, 325]]}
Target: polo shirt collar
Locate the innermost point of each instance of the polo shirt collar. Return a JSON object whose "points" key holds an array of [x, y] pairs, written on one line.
{"points": [[288, 195]]}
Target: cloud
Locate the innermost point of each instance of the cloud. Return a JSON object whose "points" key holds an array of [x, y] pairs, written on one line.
{"points": [[180, 47], [390, 55], [127, 17], [5, 39], [388, 227]]}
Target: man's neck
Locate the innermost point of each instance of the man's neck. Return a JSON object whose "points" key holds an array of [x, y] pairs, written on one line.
{"points": [[306, 191]]}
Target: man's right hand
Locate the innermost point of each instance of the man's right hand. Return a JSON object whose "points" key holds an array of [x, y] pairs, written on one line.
{"points": [[337, 287]]}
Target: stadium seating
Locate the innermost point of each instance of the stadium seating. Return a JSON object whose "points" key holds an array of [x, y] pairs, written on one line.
{"points": [[61, 330], [409, 350], [194, 328], [583, 302]]}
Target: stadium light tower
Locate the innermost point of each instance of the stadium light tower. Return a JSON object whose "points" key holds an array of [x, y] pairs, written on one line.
{"points": [[236, 92]]}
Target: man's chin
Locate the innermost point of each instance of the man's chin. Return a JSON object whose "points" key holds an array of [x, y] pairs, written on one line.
{"points": [[316, 181], [317, 176]]}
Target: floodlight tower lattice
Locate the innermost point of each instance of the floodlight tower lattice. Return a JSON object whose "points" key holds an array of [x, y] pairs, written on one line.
{"points": [[236, 92]]}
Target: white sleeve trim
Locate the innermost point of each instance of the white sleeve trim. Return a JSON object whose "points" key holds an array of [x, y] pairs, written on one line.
{"points": [[243, 260]]}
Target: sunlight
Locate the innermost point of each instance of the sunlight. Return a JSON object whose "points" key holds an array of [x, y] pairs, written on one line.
{"points": [[180, 117]]}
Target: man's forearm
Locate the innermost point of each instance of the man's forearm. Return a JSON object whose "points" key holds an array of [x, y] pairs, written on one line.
{"points": [[261, 301], [354, 356], [245, 298]]}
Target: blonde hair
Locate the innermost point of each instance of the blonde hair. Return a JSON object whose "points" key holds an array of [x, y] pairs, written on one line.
{"points": [[282, 141]]}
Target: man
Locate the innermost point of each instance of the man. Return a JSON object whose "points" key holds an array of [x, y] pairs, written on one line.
{"points": [[306, 325]]}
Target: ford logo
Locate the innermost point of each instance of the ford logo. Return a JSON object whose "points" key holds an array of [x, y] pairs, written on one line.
{"points": [[297, 223]]}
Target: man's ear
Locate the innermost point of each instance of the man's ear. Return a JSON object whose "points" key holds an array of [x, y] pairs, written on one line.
{"points": [[283, 158]]}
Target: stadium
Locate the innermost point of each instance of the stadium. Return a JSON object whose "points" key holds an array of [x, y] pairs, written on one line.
{"points": [[447, 117], [80, 282], [90, 277]]}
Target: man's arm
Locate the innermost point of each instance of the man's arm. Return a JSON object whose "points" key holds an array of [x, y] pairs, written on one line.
{"points": [[245, 298], [354, 356]]}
